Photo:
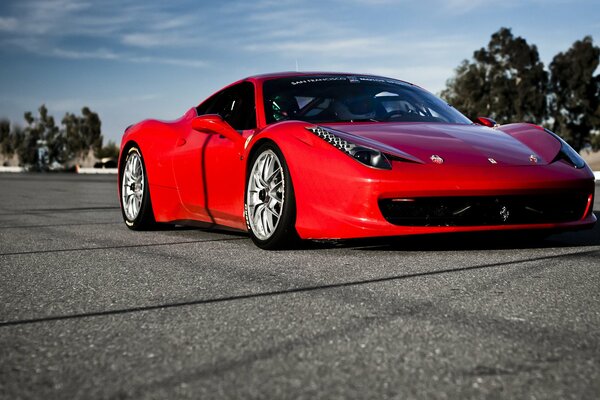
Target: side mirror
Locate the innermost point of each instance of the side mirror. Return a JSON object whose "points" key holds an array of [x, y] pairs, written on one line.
{"points": [[490, 123], [215, 124]]}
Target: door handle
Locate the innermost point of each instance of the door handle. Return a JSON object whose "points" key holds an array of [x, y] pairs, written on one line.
{"points": [[180, 142]]}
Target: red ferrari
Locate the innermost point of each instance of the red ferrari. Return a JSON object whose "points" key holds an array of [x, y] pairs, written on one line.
{"points": [[294, 156]]}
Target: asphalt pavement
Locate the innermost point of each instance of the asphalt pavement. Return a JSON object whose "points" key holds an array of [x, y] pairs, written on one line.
{"points": [[92, 310]]}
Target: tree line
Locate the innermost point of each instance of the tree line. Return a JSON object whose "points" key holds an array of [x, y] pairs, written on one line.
{"points": [[507, 82], [75, 138]]}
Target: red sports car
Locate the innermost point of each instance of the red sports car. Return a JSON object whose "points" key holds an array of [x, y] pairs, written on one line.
{"points": [[293, 156]]}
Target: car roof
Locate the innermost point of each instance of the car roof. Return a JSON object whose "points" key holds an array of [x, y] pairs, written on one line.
{"points": [[289, 74], [285, 74]]}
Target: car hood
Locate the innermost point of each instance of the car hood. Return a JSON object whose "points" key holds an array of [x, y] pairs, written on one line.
{"points": [[457, 144]]}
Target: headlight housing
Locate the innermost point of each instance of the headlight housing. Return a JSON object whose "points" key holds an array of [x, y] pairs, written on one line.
{"points": [[365, 155], [567, 153]]}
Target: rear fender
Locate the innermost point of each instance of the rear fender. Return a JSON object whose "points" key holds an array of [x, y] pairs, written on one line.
{"points": [[156, 141]]}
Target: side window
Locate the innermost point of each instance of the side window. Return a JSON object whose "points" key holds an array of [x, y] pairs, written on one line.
{"points": [[235, 105], [208, 105]]}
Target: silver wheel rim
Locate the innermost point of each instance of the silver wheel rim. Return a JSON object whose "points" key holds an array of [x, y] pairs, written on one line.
{"points": [[266, 187], [132, 187]]}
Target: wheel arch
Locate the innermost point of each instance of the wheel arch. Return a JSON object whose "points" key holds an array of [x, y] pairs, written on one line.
{"points": [[294, 142], [255, 146], [125, 149], [286, 135], [285, 234], [315, 168], [283, 147], [145, 216], [122, 156]]}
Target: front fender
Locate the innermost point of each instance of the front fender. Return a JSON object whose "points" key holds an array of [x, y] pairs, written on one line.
{"points": [[534, 137], [315, 168]]}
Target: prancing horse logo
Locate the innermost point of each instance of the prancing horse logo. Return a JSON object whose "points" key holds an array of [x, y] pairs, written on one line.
{"points": [[437, 159], [504, 213]]}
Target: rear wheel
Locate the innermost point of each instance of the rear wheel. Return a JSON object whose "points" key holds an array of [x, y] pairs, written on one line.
{"points": [[136, 206], [270, 207]]}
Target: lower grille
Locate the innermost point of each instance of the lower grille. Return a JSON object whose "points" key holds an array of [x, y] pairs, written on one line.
{"points": [[484, 210]]}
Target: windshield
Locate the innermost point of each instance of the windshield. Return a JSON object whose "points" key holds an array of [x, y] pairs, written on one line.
{"points": [[337, 98]]}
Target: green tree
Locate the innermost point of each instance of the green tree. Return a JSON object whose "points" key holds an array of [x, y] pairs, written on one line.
{"points": [[6, 138], [72, 133], [27, 149], [40, 130], [17, 139], [11, 138], [111, 150], [574, 92], [505, 81], [595, 141], [91, 129], [82, 133]]}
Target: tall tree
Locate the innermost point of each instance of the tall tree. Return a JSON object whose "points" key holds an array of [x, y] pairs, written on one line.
{"points": [[505, 81], [41, 130], [72, 133], [91, 129], [11, 138], [111, 150], [5, 138], [575, 92], [82, 133]]}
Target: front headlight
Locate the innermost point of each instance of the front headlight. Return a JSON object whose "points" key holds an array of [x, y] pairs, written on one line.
{"points": [[365, 155], [567, 153]]}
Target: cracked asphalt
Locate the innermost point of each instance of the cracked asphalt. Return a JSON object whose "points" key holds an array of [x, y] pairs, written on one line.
{"points": [[92, 310]]}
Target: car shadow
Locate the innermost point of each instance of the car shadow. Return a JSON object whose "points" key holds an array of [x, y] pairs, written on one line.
{"points": [[435, 242], [196, 226], [469, 241]]}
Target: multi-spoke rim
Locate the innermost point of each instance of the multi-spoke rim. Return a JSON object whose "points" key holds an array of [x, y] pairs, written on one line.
{"points": [[265, 195], [132, 186]]}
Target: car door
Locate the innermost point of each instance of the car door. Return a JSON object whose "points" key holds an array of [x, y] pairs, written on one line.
{"points": [[225, 180], [188, 162]]}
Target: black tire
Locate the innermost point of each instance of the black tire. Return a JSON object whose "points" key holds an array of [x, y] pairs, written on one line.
{"points": [[284, 235], [144, 218]]}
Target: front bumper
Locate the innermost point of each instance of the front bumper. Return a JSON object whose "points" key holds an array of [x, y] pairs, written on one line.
{"points": [[338, 198]]}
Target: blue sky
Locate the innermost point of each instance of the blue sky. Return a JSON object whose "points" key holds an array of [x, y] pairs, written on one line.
{"points": [[130, 59]]}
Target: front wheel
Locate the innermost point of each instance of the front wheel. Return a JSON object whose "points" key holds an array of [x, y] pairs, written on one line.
{"points": [[136, 206], [270, 206]]}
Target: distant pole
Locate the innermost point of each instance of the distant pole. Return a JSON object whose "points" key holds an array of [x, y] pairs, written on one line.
{"points": [[297, 65]]}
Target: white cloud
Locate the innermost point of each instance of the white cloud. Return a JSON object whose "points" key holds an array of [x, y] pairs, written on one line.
{"points": [[155, 39], [350, 47], [101, 54], [8, 23], [467, 6], [104, 54], [375, 2], [432, 78], [414, 45], [47, 17], [180, 62], [180, 21], [48, 27], [62, 105]]}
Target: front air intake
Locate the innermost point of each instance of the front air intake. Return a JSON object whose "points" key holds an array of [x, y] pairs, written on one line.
{"points": [[484, 210]]}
